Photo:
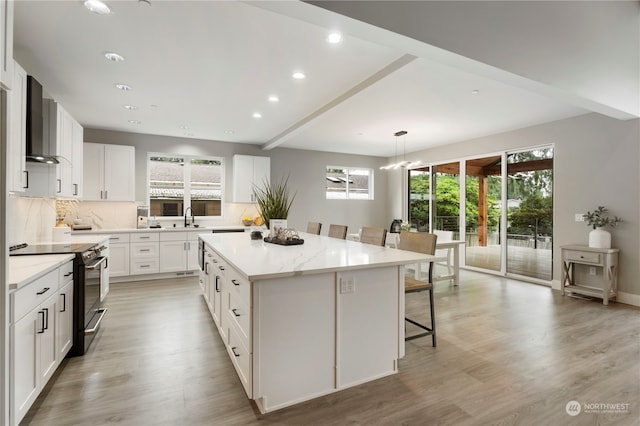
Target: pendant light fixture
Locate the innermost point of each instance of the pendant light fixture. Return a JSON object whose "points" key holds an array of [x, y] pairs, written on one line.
{"points": [[397, 163]]}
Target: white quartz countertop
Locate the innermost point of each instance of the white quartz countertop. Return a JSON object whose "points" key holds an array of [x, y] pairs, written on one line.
{"points": [[258, 260], [24, 269], [205, 229]]}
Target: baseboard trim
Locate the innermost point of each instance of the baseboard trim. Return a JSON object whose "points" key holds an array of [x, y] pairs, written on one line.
{"points": [[555, 285], [628, 298]]}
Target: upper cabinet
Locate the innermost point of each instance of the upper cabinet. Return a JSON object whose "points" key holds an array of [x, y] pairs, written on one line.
{"points": [[65, 134], [17, 134], [248, 171], [6, 44], [109, 172]]}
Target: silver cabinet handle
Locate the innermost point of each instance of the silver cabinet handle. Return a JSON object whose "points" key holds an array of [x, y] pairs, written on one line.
{"points": [[59, 185]]}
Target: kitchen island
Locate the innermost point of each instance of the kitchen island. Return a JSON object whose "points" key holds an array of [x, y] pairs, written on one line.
{"points": [[307, 320]]}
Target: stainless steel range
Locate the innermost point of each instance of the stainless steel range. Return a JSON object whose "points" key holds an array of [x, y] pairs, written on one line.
{"points": [[89, 274]]}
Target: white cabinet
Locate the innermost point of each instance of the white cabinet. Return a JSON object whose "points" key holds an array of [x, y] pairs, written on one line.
{"points": [[64, 335], [119, 255], [65, 134], [34, 355], [17, 131], [6, 44], [179, 252], [248, 171], [144, 253], [109, 172]]}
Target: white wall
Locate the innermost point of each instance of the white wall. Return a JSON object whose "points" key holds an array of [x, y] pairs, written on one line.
{"points": [[596, 162]]}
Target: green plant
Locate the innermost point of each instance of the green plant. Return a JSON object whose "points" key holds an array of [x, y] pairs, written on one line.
{"points": [[274, 200], [597, 218]]}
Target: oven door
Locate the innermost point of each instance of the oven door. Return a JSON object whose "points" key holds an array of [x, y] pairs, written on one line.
{"points": [[94, 274]]}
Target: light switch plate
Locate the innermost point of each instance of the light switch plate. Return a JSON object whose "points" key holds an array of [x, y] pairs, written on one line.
{"points": [[579, 217], [347, 285]]}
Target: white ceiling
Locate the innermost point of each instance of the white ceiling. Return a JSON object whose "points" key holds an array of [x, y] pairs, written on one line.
{"points": [[209, 65]]}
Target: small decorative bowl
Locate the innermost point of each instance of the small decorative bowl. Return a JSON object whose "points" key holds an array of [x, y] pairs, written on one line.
{"points": [[247, 222]]}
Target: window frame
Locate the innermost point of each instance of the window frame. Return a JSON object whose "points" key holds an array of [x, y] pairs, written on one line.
{"points": [[187, 183], [347, 169]]}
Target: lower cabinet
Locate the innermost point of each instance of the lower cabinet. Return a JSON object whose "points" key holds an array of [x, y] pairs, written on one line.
{"points": [[41, 334], [179, 252], [144, 253]]}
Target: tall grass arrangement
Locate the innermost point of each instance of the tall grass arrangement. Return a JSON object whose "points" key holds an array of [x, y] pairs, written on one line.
{"points": [[274, 200]]}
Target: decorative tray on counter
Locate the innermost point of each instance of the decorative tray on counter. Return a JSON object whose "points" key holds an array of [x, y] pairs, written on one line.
{"points": [[285, 242]]}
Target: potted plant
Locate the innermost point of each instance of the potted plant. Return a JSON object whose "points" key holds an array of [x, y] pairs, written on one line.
{"points": [[597, 219], [274, 199]]}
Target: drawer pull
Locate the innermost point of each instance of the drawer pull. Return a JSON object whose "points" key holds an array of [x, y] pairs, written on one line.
{"points": [[233, 349], [217, 284], [145, 250], [68, 274], [42, 329], [235, 312], [221, 268], [145, 266], [214, 260], [235, 282], [64, 302], [46, 289], [144, 238], [46, 316]]}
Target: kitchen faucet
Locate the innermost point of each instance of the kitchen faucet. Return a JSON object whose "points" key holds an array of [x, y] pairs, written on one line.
{"points": [[193, 218]]}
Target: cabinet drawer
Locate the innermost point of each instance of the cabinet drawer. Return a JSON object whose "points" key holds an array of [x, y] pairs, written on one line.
{"points": [[240, 285], [142, 237], [240, 314], [583, 256], [30, 296], [65, 273], [173, 236], [118, 238], [147, 266], [142, 250], [220, 267], [241, 359]]}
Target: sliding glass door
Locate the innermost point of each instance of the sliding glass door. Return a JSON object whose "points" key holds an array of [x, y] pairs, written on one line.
{"points": [[483, 207], [507, 201], [530, 213]]}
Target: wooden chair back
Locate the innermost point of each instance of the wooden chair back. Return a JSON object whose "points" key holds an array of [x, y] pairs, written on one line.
{"points": [[420, 242], [338, 231], [375, 236], [314, 228]]}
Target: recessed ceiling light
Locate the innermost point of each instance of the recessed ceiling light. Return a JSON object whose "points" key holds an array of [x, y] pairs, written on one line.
{"points": [[112, 56], [182, 126], [98, 7], [334, 38], [153, 106], [257, 115], [123, 87], [475, 91], [273, 98], [229, 132], [299, 75], [135, 121], [131, 107]]}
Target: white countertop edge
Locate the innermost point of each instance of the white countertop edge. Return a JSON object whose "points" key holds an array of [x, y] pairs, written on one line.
{"points": [[24, 269], [204, 229]]}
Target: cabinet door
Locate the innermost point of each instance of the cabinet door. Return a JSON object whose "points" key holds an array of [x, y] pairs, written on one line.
{"points": [[119, 173], [192, 256], [93, 171], [261, 170], [17, 125], [65, 320], [6, 44], [24, 364], [40, 180], [48, 352], [119, 260], [64, 147], [173, 256], [77, 158], [242, 178]]}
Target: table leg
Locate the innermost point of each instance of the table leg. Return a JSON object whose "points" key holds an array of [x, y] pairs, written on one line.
{"points": [[456, 265]]}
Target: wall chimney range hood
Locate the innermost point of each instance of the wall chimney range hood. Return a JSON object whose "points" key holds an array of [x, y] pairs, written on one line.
{"points": [[38, 149]]}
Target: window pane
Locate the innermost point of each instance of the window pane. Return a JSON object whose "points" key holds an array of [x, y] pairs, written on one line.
{"points": [[166, 181], [206, 187], [358, 184], [419, 197], [336, 182], [447, 198]]}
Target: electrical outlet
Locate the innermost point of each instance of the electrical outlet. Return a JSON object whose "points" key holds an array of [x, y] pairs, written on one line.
{"points": [[347, 285], [592, 270], [579, 217]]}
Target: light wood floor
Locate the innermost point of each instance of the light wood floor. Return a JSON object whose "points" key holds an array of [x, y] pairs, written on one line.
{"points": [[508, 353]]}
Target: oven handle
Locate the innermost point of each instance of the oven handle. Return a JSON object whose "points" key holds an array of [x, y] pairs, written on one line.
{"points": [[90, 331], [95, 265]]}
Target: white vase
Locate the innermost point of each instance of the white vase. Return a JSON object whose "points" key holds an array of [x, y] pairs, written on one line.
{"points": [[599, 238]]}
